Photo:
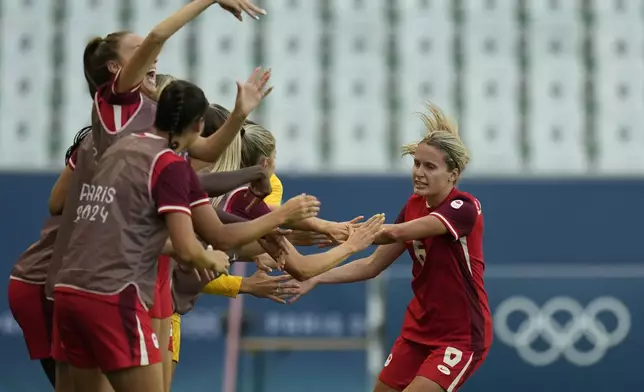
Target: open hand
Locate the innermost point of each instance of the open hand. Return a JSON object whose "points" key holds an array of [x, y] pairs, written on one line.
{"points": [[252, 92], [236, 7]]}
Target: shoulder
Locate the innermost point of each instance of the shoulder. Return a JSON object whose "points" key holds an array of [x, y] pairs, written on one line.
{"points": [[275, 182], [232, 196], [458, 199]]}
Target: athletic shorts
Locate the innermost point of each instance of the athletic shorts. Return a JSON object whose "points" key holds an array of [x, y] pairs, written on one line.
{"points": [[110, 332], [34, 314], [176, 337], [162, 307], [449, 367]]}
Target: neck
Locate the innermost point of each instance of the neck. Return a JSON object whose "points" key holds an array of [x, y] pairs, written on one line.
{"points": [[175, 139], [434, 200]]}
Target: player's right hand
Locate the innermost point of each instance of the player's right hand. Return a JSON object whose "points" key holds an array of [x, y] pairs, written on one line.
{"points": [[216, 260], [360, 238], [236, 7], [300, 207]]}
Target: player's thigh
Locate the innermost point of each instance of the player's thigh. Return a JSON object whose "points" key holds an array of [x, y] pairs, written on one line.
{"points": [[449, 367], [402, 365], [422, 384], [89, 380], [136, 379]]}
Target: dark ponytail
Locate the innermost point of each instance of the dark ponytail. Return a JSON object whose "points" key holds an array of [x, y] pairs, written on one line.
{"points": [[98, 52], [180, 105], [77, 141], [176, 116]]}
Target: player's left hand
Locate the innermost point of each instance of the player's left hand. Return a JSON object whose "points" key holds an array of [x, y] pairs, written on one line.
{"points": [[305, 287], [236, 7], [252, 92], [364, 236], [278, 288]]}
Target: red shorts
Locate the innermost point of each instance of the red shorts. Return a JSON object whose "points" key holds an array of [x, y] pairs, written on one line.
{"points": [[34, 314], [449, 367], [162, 307], [110, 332]]}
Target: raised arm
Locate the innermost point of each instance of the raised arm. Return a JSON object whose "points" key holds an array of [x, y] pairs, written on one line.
{"points": [[249, 95], [145, 56]]}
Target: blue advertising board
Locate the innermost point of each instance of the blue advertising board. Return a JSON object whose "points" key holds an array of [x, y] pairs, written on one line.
{"points": [[564, 280]]}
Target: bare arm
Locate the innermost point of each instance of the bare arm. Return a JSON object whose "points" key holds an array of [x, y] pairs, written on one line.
{"points": [[416, 229], [209, 149], [145, 56], [183, 244], [217, 184], [306, 267], [226, 237], [249, 95], [59, 191], [363, 269]]}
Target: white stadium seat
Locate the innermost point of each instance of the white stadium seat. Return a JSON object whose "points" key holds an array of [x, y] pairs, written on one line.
{"points": [[224, 54], [359, 126], [292, 49], [84, 20], [173, 60], [26, 77]]}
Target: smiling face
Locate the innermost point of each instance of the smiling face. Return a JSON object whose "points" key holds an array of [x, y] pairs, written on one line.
{"points": [[430, 174]]}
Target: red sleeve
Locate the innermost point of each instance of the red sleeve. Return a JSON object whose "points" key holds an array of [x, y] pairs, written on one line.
{"points": [[197, 196], [458, 216], [240, 199], [115, 110], [170, 184]]}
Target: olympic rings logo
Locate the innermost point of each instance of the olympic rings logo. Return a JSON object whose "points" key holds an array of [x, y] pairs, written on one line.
{"points": [[540, 323]]}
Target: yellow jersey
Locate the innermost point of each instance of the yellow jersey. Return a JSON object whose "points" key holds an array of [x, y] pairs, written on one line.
{"points": [[277, 191]]}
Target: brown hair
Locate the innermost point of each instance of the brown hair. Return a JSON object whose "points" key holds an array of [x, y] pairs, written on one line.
{"points": [[98, 52]]}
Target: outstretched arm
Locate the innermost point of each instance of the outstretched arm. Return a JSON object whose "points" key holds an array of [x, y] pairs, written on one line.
{"points": [[356, 271], [219, 183], [363, 269], [142, 60], [306, 267]]}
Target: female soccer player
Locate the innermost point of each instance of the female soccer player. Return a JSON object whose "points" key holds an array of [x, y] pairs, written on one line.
{"points": [[27, 302], [140, 186], [117, 67], [447, 330]]}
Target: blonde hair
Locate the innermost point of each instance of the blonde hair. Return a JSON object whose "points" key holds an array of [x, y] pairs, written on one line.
{"points": [[442, 133], [258, 143], [162, 81], [230, 160]]}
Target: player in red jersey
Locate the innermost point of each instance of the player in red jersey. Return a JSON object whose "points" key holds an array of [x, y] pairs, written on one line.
{"points": [[447, 330], [27, 302]]}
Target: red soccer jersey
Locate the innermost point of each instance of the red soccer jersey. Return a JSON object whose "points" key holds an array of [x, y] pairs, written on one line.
{"points": [[450, 305]]}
